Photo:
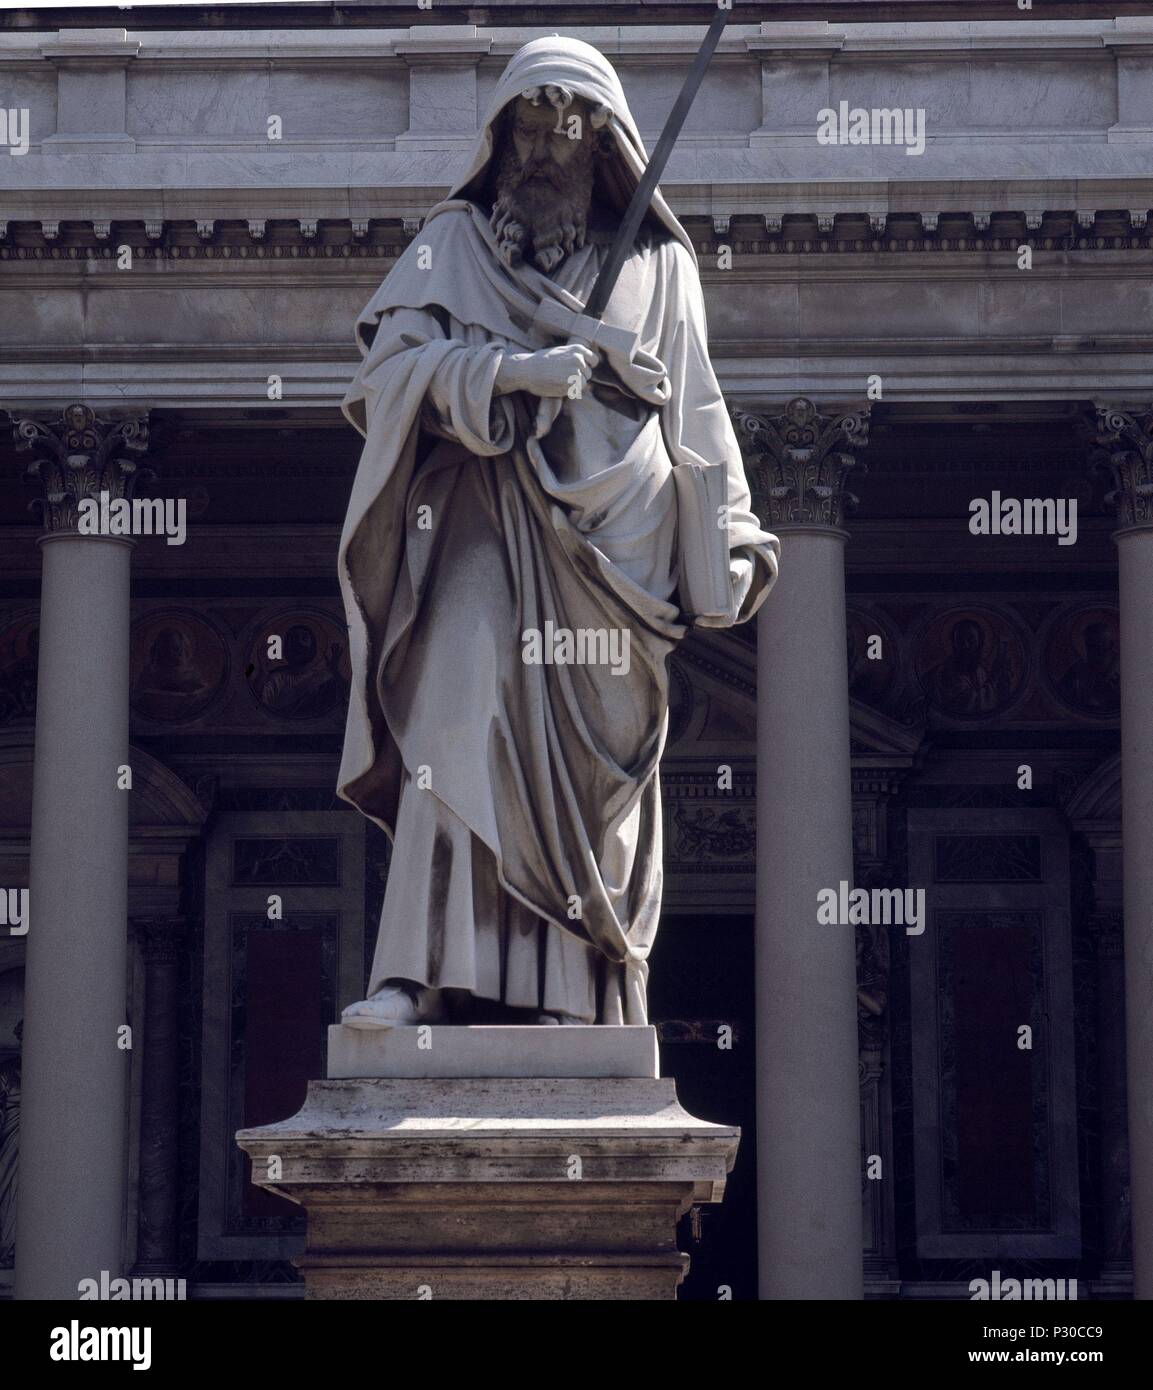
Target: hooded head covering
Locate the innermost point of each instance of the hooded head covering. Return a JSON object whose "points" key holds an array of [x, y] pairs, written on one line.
{"points": [[585, 72]]}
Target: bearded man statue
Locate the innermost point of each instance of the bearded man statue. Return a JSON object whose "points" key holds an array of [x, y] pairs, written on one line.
{"points": [[513, 567]]}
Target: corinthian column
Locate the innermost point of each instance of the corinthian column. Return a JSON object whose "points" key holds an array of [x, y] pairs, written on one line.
{"points": [[808, 1116], [1125, 439], [70, 1205]]}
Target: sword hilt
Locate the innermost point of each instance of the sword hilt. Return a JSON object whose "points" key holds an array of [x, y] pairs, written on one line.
{"points": [[557, 321]]}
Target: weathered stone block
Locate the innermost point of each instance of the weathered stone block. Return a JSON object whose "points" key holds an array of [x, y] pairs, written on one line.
{"points": [[483, 1187]]}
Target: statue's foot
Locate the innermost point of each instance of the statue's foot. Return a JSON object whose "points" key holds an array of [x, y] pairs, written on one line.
{"points": [[395, 1005], [555, 1019]]}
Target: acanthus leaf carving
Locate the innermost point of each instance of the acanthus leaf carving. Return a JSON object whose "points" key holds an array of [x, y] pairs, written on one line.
{"points": [[798, 462], [79, 457], [1124, 439]]}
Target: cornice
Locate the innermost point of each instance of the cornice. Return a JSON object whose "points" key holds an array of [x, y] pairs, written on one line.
{"points": [[1040, 36], [263, 239]]}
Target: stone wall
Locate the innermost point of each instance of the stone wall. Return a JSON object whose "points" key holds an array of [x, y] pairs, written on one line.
{"points": [[250, 255]]}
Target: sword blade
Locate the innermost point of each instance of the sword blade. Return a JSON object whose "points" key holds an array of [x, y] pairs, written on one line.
{"points": [[639, 205]]}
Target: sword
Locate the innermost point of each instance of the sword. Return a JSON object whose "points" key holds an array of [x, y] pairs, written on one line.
{"points": [[588, 327]]}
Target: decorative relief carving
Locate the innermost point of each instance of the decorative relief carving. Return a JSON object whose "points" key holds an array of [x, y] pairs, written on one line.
{"points": [[971, 662], [1125, 447], [19, 656], [1082, 661], [704, 831], [870, 677], [872, 997], [797, 462], [866, 829], [696, 1030], [162, 940], [982, 661], [271, 861], [1107, 926], [180, 664], [987, 859], [80, 457], [310, 678], [709, 831]]}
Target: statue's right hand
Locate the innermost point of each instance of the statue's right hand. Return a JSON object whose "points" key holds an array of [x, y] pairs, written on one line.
{"points": [[555, 371]]}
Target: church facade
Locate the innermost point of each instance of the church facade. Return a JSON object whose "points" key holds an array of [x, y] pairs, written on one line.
{"points": [[928, 272]]}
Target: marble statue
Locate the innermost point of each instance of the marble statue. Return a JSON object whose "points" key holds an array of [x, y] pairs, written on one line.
{"points": [[510, 564]]}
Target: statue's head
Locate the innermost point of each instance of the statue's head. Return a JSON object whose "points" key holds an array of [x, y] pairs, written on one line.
{"points": [[557, 140], [541, 183]]}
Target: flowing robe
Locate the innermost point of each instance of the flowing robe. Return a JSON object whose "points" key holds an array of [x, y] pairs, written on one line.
{"points": [[523, 798]]}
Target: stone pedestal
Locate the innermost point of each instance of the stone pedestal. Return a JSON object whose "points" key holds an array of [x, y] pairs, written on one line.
{"points": [[537, 1183]]}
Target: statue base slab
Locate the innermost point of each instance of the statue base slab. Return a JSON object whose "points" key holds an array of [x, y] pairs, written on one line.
{"points": [[435, 1050], [494, 1187]]}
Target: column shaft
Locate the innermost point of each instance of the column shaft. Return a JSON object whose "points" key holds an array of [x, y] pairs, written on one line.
{"points": [[808, 1139], [69, 1220]]}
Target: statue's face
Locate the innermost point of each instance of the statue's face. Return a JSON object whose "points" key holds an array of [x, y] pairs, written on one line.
{"points": [[543, 181], [542, 140]]}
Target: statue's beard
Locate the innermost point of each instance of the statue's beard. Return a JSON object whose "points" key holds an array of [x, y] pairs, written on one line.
{"points": [[540, 211]]}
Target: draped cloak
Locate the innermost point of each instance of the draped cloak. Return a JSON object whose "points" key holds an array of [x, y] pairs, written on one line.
{"points": [[523, 797]]}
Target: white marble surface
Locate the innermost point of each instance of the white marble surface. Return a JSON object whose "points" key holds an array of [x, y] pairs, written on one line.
{"points": [[527, 1052], [1024, 117], [1013, 100], [375, 1118]]}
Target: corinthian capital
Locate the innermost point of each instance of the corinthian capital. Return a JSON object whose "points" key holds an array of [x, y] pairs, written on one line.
{"points": [[1125, 446], [797, 462], [80, 455]]}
